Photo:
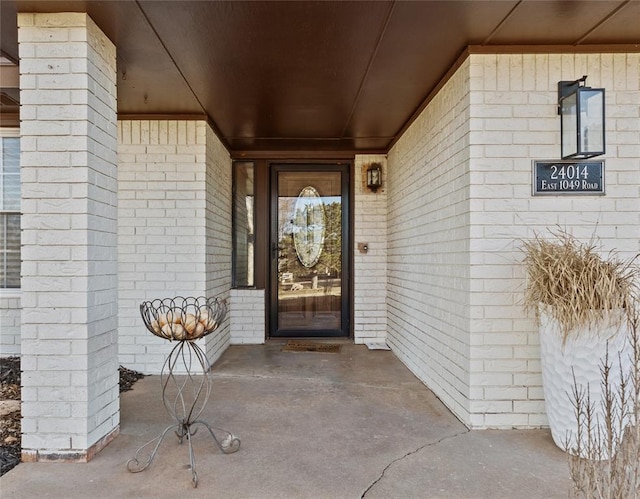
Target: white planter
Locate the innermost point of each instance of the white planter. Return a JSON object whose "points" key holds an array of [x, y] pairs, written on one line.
{"points": [[582, 356]]}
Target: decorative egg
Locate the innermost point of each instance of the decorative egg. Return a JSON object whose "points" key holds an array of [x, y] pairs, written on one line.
{"points": [[190, 323], [198, 331]]}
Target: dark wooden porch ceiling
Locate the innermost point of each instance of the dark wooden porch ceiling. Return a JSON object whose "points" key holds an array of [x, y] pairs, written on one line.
{"points": [[316, 75]]}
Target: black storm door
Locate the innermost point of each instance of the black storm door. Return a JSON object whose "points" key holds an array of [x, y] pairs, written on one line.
{"points": [[309, 251]]}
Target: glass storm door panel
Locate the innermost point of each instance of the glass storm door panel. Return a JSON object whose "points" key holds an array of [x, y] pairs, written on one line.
{"points": [[308, 242]]}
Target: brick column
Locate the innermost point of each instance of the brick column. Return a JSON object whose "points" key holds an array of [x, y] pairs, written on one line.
{"points": [[69, 202]]}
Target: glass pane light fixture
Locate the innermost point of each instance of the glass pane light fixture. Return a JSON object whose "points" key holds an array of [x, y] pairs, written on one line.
{"points": [[374, 176], [581, 111]]}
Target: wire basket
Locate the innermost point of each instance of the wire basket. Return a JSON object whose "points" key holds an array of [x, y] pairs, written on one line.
{"points": [[185, 397], [183, 319]]}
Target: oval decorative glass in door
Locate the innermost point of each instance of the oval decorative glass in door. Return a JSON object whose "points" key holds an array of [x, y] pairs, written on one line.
{"points": [[309, 226]]}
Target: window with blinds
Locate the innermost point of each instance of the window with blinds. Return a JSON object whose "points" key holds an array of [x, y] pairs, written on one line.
{"points": [[9, 212]]}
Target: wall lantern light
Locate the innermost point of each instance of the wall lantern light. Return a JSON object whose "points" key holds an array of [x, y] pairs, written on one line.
{"points": [[374, 176], [581, 111]]}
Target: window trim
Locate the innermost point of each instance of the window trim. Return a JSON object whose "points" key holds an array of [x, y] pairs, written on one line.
{"points": [[6, 132], [234, 242]]}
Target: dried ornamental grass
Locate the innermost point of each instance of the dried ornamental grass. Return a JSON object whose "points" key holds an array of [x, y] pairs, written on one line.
{"points": [[579, 287], [603, 472]]}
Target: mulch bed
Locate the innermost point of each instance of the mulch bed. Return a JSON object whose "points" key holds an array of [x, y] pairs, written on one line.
{"points": [[128, 378], [10, 436], [9, 423]]}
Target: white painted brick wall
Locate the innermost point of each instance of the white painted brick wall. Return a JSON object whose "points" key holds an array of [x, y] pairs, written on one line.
{"points": [[370, 268], [174, 228], [513, 121], [247, 316], [459, 203], [69, 205], [9, 323], [428, 247], [218, 236]]}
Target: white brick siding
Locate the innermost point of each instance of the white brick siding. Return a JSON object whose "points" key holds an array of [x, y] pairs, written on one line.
{"points": [[174, 229], [460, 203], [69, 205], [9, 323], [370, 268], [513, 121], [247, 316], [218, 235], [428, 247]]}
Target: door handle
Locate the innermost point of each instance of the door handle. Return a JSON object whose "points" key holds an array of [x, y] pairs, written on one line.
{"points": [[274, 250]]}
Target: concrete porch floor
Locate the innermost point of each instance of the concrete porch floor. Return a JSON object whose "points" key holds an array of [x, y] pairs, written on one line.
{"points": [[313, 425]]}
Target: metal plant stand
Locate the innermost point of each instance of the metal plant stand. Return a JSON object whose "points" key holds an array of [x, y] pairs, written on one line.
{"points": [[185, 378]]}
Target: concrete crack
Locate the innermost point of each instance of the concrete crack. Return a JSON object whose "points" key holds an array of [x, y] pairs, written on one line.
{"points": [[415, 451]]}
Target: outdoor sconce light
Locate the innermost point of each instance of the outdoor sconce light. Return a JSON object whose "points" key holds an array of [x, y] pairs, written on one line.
{"points": [[581, 111], [374, 176]]}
